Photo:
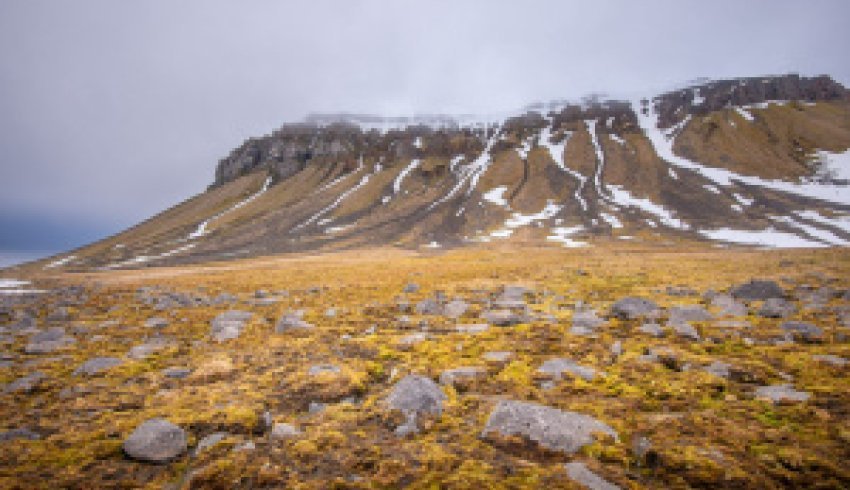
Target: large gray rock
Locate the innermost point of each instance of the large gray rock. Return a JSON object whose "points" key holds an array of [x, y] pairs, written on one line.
{"points": [[504, 318], [581, 474], [19, 433], [412, 396], [549, 427], [25, 384], [156, 441], [781, 393], [48, 341], [728, 305], [689, 313], [149, 348], [757, 290], [586, 319], [803, 331], [229, 325], [455, 309], [428, 306], [631, 308], [97, 365], [557, 367], [292, 321], [777, 308]]}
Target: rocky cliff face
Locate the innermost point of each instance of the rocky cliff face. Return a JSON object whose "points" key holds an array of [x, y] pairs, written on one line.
{"points": [[755, 161]]}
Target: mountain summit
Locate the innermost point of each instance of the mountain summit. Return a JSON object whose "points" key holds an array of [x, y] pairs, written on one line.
{"points": [[758, 161]]}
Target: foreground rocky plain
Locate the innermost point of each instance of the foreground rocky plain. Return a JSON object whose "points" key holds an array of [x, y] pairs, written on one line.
{"points": [[624, 365]]}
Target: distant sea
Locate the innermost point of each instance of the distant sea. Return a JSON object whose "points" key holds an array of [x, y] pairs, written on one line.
{"points": [[9, 258]]}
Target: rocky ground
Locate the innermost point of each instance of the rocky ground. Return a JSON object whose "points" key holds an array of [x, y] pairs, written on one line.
{"points": [[611, 367]]}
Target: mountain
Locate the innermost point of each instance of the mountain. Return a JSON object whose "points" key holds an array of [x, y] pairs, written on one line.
{"points": [[759, 161]]}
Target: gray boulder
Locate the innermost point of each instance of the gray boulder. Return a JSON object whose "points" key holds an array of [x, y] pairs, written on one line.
{"points": [[428, 306], [412, 396], [689, 313], [586, 319], [284, 431], [320, 369], [210, 441], [411, 288], [631, 308], [48, 341], [803, 331], [777, 308], [473, 328], [504, 318], [156, 441], [719, 369], [581, 474], [757, 290], [557, 367], [156, 322], [97, 365], [831, 359], [653, 329], [498, 356], [26, 384], [687, 331], [455, 309], [147, 349], [549, 427], [229, 325], [292, 321], [781, 393], [176, 372], [19, 433], [728, 305]]}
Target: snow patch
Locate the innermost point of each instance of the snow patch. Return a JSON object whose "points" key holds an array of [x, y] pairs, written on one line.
{"points": [[768, 237], [63, 261], [833, 166], [496, 196], [403, 174], [665, 216], [556, 151], [611, 220], [202, 228], [711, 188], [813, 231], [840, 222], [562, 235], [600, 156]]}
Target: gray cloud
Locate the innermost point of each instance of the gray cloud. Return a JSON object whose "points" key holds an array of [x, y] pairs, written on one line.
{"points": [[111, 111]]}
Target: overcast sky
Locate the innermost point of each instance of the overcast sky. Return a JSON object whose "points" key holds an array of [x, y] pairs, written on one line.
{"points": [[111, 111]]}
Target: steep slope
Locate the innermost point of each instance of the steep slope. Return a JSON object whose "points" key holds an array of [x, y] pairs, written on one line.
{"points": [[759, 161]]}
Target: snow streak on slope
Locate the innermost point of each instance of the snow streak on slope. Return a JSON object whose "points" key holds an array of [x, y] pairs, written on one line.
{"points": [[470, 172], [556, 151], [60, 262], [624, 198], [403, 174], [818, 234], [363, 181], [141, 259], [202, 228], [600, 157], [562, 235], [769, 237], [663, 146], [840, 222]]}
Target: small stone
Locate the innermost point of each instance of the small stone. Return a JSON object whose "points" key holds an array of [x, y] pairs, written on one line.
{"points": [[462, 375], [653, 329], [176, 372], [411, 288], [245, 446], [316, 407], [719, 369], [97, 365], [557, 367], [831, 359], [617, 349], [321, 369], [156, 441], [229, 325], [156, 322], [586, 319], [19, 433], [412, 339], [498, 356], [284, 431], [579, 473], [687, 331], [503, 318], [473, 328], [210, 441]]}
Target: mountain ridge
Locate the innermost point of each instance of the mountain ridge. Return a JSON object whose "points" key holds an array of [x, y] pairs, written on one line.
{"points": [[759, 160]]}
